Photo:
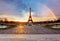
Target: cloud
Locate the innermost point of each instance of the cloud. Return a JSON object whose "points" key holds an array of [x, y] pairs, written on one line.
{"points": [[13, 8], [19, 8], [54, 5]]}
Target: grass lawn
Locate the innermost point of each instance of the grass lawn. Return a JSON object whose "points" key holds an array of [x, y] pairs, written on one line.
{"points": [[7, 27], [51, 27]]}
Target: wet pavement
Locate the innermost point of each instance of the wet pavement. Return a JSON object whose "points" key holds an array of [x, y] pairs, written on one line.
{"points": [[34, 29]]}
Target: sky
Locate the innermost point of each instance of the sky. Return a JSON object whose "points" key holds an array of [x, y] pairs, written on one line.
{"points": [[18, 10]]}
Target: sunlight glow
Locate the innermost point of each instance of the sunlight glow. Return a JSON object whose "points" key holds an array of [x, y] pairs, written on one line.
{"points": [[46, 15], [51, 16]]}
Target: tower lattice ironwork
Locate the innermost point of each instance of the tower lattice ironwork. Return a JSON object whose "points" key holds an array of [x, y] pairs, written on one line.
{"points": [[30, 21]]}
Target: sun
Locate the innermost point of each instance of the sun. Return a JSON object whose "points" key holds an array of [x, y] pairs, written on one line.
{"points": [[20, 20]]}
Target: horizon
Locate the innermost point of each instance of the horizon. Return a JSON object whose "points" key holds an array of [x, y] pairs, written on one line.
{"points": [[18, 10]]}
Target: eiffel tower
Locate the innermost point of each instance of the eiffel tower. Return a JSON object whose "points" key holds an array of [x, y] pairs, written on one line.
{"points": [[30, 21]]}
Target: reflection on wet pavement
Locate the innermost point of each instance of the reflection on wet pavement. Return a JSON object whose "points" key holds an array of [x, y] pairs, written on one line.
{"points": [[25, 29]]}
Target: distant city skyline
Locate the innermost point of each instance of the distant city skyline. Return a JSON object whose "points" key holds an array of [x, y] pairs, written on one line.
{"points": [[18, 10]]}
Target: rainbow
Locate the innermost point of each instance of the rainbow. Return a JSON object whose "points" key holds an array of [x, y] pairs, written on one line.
{"points": [[52, 13]]}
